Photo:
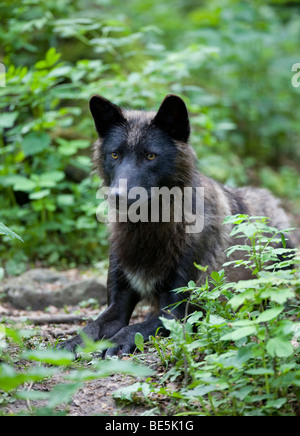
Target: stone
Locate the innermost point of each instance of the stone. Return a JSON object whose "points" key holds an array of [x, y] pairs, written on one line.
{"points": [[83, 290], [39, 288]]}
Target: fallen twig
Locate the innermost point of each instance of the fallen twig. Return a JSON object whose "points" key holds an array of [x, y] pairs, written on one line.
{"points": [[48, 319]]}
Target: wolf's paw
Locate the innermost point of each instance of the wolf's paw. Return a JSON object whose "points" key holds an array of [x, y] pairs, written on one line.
{"points": [[70, 345], [123, 343]]}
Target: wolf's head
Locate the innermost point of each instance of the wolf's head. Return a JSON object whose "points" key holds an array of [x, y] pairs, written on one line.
{"points": [[147, 149]]}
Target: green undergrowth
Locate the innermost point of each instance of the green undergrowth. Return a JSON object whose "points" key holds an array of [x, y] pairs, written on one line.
{"points": [[230, 61], [237, 354]]}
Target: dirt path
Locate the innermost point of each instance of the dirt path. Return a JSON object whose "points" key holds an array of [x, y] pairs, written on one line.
{"points": [[94, 397]]}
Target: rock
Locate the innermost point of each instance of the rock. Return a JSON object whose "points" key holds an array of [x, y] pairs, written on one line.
{"points": [[43, 275], [83, 290], [39, 288]]}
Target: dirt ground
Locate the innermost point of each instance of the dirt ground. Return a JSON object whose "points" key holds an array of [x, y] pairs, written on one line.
{"points": [[95, 396]]}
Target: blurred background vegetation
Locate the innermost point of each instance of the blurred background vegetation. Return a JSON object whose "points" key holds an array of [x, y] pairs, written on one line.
{"points": [[230, 60]]}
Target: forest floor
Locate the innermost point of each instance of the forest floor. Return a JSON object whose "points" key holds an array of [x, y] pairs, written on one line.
{"points": [[95, 397]]}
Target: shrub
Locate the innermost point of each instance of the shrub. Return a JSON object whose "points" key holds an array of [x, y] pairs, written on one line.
{"points": [[237, 355]]}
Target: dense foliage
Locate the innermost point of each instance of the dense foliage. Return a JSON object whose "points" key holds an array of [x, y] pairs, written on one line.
{"points": [[231, 61], [238, 354]]}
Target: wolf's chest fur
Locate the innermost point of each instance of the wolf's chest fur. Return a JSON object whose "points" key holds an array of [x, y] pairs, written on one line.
{"points": [[141, 284], [148, 252]]}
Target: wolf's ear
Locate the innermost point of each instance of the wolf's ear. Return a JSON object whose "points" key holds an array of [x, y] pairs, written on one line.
{"points": [[173, 118], [105, 114]]}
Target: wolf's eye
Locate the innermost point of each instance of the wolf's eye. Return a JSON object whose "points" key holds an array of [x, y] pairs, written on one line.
{"points": [[151, 156], [114, 155]]}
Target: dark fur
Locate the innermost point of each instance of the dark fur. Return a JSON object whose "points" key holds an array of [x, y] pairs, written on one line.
{"points": [[151, 259]]}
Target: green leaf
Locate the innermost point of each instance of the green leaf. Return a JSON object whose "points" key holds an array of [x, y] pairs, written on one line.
{"points": [[9, 378], [242, 393], [60, 71], [239, 299], [201, 390], [52, 357], [11, 333], [126, 393], [18, 183], [32, 395], [85, 222], [235, 219], [63, 393], [239, 333], [269, 314], [107, 367], [40, 65], [217, 276], [277, 404], [35, 142], [52, 56], [56, 176], [279, 347], [50, 179], [234, 248], [283, 240], [39, 194], [65, 200], [139, 341], [68, 148], [249, 230], [216, 320], [278, 295], [260, 371], [7, 119], [6, 231]]}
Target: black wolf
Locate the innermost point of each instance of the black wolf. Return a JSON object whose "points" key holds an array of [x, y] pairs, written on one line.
{"points": [[150, 259]]}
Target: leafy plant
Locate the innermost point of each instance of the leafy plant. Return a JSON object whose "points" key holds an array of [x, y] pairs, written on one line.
{"points": [[57, 56], [19, 372], [11, 235], [6, 231], [244, 357], [232, 63]]}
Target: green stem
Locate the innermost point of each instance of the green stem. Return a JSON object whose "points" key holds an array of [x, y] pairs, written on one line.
{"points": [[234, 406], [265, 364], [212, 405]]}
